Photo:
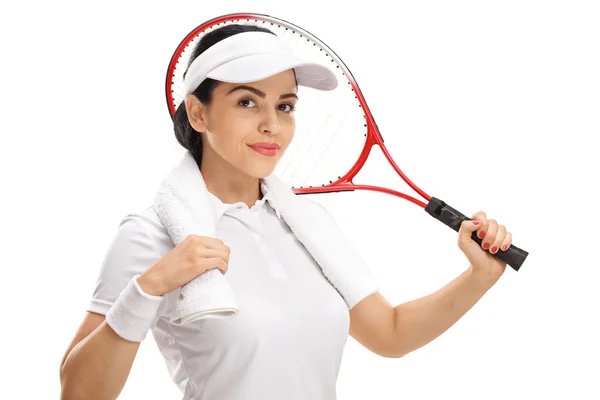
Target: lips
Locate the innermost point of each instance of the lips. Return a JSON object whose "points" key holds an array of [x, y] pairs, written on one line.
{"points": [[266, 149], [265, 145]]}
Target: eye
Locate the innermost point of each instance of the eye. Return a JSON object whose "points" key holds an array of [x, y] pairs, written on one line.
{"points": [[246, 103], [287, 107]]}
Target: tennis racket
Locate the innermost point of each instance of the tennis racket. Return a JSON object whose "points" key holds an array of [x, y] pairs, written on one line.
{"points": [[334, 133]]}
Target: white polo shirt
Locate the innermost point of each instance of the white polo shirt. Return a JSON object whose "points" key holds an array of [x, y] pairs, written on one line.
{"points": [[287, 340]]}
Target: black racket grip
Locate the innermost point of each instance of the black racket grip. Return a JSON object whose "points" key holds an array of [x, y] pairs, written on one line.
{"points": [[513, 256]]}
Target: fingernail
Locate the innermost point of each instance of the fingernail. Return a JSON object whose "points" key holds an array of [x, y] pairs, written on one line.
{"points": [[486, 246], [481, 235], [476, 222], [504, 247], [494, 249]]}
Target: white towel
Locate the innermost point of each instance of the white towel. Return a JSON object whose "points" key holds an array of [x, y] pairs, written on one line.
{"points": [[183, 207]]}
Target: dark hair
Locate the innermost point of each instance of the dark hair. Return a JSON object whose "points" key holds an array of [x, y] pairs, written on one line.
{"points": [[186, 135]]}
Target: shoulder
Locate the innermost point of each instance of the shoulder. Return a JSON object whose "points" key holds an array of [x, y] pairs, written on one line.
{"points": [[146, 222], [138, 243]]}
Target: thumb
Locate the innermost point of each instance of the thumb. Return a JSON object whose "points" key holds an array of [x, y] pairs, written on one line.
{"points": [[467, 227]]}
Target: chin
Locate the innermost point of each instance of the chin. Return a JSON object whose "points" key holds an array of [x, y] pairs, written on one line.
{"points": [[260, 167], [260, 171]]}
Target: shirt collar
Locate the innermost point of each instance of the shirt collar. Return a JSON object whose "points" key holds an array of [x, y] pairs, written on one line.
{"points": [[268, 196], [219, 208]]}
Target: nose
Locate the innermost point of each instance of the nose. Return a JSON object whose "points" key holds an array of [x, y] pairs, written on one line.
{"points": [[270, 123]]}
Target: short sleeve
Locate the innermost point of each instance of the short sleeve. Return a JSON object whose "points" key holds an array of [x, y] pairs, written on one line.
{"points": [[131, 252]]}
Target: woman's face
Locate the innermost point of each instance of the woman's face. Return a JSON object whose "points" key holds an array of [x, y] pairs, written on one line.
{"points": [[248, 126]]}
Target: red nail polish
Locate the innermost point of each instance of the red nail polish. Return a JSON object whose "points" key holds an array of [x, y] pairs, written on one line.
{"points": [[476, 222], [504, 247], [481, 235], [486, 246], [494, 249]]}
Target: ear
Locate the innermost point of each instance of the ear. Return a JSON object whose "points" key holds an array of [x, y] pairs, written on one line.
{"points": [[196, 112]]}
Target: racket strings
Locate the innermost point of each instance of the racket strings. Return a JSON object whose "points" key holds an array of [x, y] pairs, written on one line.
{"points": [[326, 119], [310, 161]]}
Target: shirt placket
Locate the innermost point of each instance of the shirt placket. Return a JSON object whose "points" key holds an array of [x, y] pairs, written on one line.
{"points": [[254, 222], [252, 219]]}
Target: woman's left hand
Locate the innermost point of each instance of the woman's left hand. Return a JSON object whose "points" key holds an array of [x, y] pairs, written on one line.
{"points": [[494, 237]]}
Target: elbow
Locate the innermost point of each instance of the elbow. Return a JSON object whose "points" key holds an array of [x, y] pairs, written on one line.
{"points": [[63, 377], [64, 369], [393, 353], [70, 392], [65, 383], [71, 396], [396, 346], [77, 386], [392, 348], [66, 396], [68, 389]]}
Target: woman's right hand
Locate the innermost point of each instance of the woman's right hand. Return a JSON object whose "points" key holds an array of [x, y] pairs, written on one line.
{"points": [[190, 258]]}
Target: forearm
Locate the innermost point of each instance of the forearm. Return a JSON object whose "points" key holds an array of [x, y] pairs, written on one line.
{"points": [[420, 321], [98, 366]]}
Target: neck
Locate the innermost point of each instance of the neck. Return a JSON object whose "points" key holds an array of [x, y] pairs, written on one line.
{"points": [[228, 183]]}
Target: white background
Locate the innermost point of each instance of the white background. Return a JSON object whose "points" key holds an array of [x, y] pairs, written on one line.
{"points": [[489, 106]]}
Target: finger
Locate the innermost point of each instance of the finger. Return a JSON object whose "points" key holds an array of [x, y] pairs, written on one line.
{"points": [[214, 263], [467, 227], [490, 234], [481, 216], [211, 243], [497, 243], [506, 242], [204, 252]]}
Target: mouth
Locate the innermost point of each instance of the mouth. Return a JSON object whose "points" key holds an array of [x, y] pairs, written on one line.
{"points": [[266, 149]]}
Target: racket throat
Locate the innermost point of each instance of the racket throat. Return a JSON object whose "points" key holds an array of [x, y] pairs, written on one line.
{"points": [[441, 211]]}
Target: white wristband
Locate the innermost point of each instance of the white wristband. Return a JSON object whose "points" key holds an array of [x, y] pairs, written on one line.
{"points": [[132, 314]]}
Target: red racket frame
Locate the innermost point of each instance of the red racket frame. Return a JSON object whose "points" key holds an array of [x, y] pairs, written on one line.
{"points": [[374, 137]]}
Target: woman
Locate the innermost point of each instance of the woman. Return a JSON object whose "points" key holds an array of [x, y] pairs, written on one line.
{"points": [[288, 338]]}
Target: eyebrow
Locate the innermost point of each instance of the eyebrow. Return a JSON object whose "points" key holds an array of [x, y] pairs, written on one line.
{"points": [[259, 93]]}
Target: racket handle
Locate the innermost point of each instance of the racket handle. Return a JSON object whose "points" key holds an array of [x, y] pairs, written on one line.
{"points": [[513, 256]]}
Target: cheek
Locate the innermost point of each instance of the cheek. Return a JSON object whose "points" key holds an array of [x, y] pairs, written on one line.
{"points": [[229, 142], [227, 133], [288, 131]]}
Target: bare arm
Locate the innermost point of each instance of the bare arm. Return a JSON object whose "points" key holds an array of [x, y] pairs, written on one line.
{"points": [[97, 363], [393, 332], [420, 321], [396, 331]]}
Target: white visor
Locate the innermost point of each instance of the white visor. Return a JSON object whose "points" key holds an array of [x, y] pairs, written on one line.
{"points": [[253, 56]]}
